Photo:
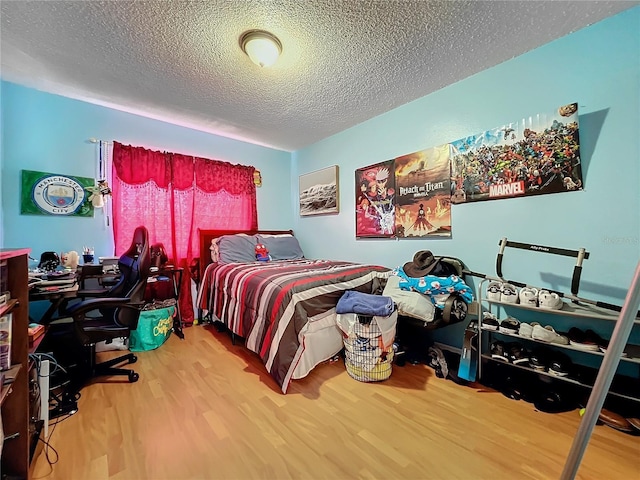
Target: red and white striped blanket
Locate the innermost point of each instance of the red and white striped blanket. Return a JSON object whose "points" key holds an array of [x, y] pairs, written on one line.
{"points": [[268, 303]]}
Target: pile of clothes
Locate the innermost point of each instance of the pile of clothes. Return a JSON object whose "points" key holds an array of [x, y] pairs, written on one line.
{"points": [[422, 287]]}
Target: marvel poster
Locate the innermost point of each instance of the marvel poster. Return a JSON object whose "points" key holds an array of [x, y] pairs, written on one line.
{"points": [[535, 156], [423, 193], [375, 200]]}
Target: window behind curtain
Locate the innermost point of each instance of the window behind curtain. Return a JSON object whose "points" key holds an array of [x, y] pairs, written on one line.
{"points": [[174, 195]]}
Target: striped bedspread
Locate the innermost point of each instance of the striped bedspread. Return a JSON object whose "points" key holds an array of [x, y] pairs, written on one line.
{"points": [[268, 303]]}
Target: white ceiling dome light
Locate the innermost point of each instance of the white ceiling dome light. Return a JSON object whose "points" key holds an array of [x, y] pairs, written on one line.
{"points": [[263, 48]]}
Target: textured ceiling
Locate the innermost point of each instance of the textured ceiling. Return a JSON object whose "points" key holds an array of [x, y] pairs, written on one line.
{"points": [[343, 61]]}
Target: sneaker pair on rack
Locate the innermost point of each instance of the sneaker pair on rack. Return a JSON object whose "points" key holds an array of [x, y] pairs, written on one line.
{"points": [[544, 334], [554, 362], [528, 296], [511, 352], [532, 297], [502, 292], [587, 340], [505, 292], [526, 329], [548, 334], [509, 325], [549, 300]]}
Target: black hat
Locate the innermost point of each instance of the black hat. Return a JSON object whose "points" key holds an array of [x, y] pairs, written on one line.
{"points": [[423, 263]]}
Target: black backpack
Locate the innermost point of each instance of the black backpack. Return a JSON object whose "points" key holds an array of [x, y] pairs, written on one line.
{"points": [[446, 266]]}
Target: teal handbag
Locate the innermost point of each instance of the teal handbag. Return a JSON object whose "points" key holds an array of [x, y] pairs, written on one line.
{"points": [[154, 327]]}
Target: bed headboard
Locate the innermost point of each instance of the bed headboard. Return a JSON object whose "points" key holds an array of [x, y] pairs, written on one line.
{"points": [[207, 235]]}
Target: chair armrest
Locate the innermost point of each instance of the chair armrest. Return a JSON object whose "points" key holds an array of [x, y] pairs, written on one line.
{"points": [[93, 292], [96, 303]]}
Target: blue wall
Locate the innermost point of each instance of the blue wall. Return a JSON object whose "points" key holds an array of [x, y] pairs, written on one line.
{"points": [[598, 67], [51, 133]]}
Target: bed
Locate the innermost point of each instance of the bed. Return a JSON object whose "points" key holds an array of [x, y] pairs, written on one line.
{"points": [[284, 309]]}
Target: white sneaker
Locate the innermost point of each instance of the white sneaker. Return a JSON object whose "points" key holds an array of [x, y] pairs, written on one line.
{"points": [[526, 329], [548, 334], [528, 296], [494, 290], [509, 293], [549, 300]]}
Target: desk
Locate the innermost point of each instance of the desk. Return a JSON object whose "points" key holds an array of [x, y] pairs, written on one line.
{"points": [[59, 299]]}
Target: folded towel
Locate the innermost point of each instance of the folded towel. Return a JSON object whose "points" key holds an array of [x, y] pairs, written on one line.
{"points": [[365, 304]]}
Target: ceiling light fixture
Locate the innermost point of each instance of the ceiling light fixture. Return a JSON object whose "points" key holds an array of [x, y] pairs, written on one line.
{"points": [[263, 48]]}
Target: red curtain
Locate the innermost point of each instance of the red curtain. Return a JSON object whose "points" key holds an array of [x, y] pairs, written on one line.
{"points": [[174, 195]]}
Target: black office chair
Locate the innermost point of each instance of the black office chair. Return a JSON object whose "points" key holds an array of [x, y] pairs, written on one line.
{"points": [[92, 282], [119, 310]]}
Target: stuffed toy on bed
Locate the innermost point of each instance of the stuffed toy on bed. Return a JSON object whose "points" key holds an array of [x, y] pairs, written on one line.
{"points": [[262, 254]]}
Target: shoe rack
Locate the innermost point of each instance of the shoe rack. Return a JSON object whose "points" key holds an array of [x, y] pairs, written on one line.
{"points": [[572, 307]]}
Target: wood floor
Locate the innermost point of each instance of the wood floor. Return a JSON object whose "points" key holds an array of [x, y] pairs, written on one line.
{"points": [[205, 409]]}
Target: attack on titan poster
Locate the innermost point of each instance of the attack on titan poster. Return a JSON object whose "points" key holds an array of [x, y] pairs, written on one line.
{"points": [[423, 193]]}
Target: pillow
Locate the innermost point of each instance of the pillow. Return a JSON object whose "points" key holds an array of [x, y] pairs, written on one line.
{"points": [[411, 304], [282, 248], [238, 248]]}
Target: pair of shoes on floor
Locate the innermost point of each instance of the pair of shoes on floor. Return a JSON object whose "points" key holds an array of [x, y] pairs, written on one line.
{"points": [[617, 421], [502, 292], [553, 400], [548, 334], [438, 362], [635, 423], [518, 387]]}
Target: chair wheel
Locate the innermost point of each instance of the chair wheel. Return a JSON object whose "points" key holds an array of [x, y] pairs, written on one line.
{"points": [[133, 377], [133, 359]]}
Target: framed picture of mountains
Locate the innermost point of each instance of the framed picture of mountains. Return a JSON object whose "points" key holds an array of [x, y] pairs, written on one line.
{"points": [[319, 193]]}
